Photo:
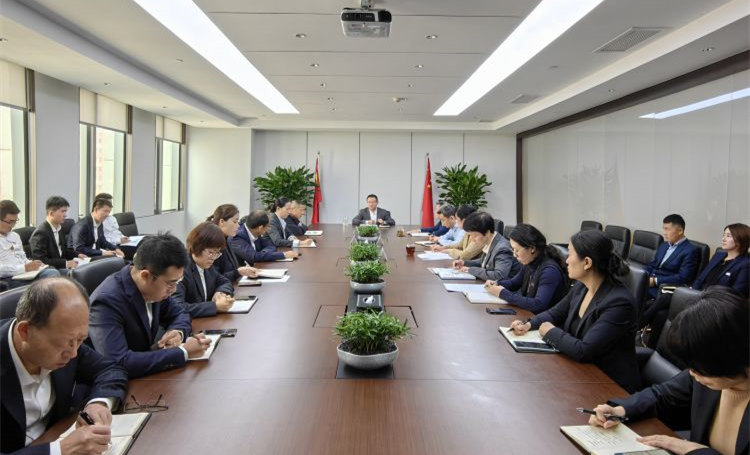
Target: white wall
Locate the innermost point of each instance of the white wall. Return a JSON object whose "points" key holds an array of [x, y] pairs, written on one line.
{"points": [[389, 164], [624, 170]]}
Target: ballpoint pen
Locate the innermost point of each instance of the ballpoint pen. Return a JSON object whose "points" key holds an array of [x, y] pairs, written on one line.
{"points": [[524, 322], [608, 416]]}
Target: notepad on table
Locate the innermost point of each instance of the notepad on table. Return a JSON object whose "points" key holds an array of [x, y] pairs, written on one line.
{"points": [[81, 261], [242, 306], [28, 276], [611, 441], [455, 287], [530, 341], [482, 297], [419, 234], [272, 273], [312, 245], [284, 260], [433, 256], [124, 430], [214, 341], [313, 233], [283, 279], [133, 240], [446, 273], [425, 243]]}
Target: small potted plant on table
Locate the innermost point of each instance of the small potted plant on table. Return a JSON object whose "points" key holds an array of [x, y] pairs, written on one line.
{"points": [[368, 338], [361, 252], [366, 277], [368, 233]]}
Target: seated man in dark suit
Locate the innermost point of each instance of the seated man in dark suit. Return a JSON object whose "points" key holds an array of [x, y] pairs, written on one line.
{"points": [[251, 244], [293, 223], [278, 229], [372, 214], [48, 242], [676, 261], [43, 360], [438, 229], [204, 291], [87, 235], [128, 308], [497, 261]]}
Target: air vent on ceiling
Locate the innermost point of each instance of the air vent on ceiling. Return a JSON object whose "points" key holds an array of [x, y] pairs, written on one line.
{"points": [[628, 39], [524, 98]]}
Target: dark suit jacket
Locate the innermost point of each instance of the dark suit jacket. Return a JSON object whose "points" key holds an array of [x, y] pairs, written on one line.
{"points": [[262, 250], [605, 335], [44, 247], [278, 235], [227, 264], [683, 395], [437, 230], [189, 292], [735, 276], [82, 237], [536, 286], [295, 227], [679, 269], [499, 265], [89, 369], [119, 328], [364, 215]]}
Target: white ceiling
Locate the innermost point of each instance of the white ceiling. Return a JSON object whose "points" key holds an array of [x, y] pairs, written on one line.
{"points": [[115, 41]]}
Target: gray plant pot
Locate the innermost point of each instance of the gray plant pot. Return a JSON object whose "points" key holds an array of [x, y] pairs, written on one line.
{"points": [[367, 362], [368, 239], [368, 288]]}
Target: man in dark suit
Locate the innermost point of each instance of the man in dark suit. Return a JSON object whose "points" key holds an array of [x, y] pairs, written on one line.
{"points": [[497, 261], [251, 244], [278, 230], [128, 308], [293, 222], [48, 242], [676, 261], [47, 372], [372, 214], [87, 236]]}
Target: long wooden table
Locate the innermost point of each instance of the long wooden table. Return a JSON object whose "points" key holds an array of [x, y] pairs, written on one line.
{"points": [[459, 388]]}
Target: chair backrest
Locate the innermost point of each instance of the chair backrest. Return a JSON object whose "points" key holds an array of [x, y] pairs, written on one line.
{"points": [[682, 298], [126, 220], [637, 281], [645, 244], [507, 230], [66, 226], [703, 251], [586, 225], [499, 226], [9, 301], [620, 236], [25, 234], [92, 274], [561, 249], [657, 370]]}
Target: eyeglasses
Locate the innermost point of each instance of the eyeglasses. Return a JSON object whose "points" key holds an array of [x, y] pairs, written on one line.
{"points": [[214, 254], [135, 406], [10, 223], [170, 284]]}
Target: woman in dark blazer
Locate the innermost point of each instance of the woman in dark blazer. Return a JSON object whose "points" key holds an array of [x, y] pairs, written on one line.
{"points": [[227, 217], [596, 321], [204, 291], [711, 337], [541, 280]]}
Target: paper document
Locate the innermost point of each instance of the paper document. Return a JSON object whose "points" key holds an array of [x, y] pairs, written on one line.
{"points": [[482, 297], [453, 287], [313, 233], [271, 273], [447, 273], [598, 441], [214, 341], [283, 279], [28, 276], [425, 243], [530, 341], [246, 281], [433, 256], [419, 234], [242, 306], [134, 240], [81, 261], [312, 245], [285, 260]]}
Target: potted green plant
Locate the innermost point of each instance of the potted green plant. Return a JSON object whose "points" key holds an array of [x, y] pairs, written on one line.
{"points": [[459, 186], [360, 252], [368, 338], [368, 233], [294, 184], [366, 277]]}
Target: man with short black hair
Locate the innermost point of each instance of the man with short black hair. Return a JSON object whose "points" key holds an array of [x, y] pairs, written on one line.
{"points": [[436, 230], [87, 235], [44, 367], [448, 219], [676, 260], [48, 242], [252, 244], [372, 214], [128, 308], [111, 227], [497, 261]]}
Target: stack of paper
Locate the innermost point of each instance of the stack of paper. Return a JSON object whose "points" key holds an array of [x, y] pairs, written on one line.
{"points": [[482, 297], [453, 287], [214, 341], [271, 273], [452, 274], [242, 306], [283, 279], [419, 234], [312, 245], [618, 439], [425, 243], [313, 233], [433, 256]]}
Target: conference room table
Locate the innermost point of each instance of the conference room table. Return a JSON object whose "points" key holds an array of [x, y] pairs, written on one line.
{"points": [[457, 387]]}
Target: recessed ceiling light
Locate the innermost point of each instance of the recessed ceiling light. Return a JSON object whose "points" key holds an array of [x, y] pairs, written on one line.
{"points": [[190, 24], [410, 85], [611, 90], [330, 98], [739, 94], [3, 40], [419, 66], [400, 110], [333, 108], [553, 67], [708, 49], [300, 35], [202, 121], [164, 107], [315, 65], [431, 36], [322, 84], [548, 21], [179, 60], [107, 83]]}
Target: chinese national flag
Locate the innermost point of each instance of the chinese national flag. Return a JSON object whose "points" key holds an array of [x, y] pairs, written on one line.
{"points": [[428, 220], [318, 196]]}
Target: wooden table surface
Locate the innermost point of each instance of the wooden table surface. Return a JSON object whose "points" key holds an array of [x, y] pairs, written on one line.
{"points": [[459, 388]]}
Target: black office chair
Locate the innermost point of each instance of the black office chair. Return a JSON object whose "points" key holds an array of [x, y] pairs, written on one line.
{"points": [[25, 234], [637, 281], [587, 225], [66, 226], [92, 274], [703, 251], [563, 250], [126, 221], [645, 244], [9, 301], [620, 236], [507, 230], [499, 226]]}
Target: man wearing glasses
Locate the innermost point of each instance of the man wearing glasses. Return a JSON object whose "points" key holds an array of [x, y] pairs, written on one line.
{"points": [[13, 260], [130, 306]]}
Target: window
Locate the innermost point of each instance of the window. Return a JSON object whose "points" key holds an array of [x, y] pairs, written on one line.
{"points": [[13, 133], [169, 164]]}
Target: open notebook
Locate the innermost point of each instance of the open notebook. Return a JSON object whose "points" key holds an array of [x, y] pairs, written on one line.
{"points": [[313, 233], [482, 297], [272, 273], [433, 256], [530, 341], [446, 273], [243, 306], [28, 276], [125, 429], [616, 440], [206, 355]]}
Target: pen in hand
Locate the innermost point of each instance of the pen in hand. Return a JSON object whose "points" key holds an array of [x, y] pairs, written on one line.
{"points": [[86, 418], [523, 323], [608, 416]]}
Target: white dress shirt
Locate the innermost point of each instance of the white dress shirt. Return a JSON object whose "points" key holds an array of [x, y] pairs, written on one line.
{"points": [[295, 241], [96, 235], [202, 274], [373, 215], [56, 233], [112, 230], [13, 260], [252, 238]]}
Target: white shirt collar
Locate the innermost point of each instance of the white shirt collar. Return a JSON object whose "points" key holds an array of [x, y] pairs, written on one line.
{"points": [[252, 237], [24, 377], [54, 229]]}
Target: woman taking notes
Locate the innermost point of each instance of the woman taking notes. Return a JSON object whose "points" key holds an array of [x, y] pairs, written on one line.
{"points": [[596, 321], [227, 217]]}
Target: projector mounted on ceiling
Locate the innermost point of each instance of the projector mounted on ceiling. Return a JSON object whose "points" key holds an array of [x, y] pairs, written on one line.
{"points": [[366, 22]]}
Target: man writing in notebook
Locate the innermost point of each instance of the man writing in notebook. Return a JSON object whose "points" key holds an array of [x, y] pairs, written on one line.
{"points": [[47, 371]]}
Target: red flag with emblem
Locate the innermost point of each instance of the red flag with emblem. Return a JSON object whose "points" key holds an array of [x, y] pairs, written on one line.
{"points": [[317, 197], [428, 219]]}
